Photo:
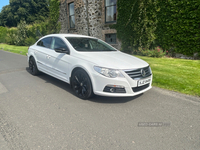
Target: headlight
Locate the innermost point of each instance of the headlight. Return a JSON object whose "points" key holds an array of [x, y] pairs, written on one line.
{"points": [[111, 73], [150, 70]]}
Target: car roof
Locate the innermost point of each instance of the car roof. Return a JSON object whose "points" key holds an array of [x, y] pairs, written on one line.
{"points": [[69, 35]]}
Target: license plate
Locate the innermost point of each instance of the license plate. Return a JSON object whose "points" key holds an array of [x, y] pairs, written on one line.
{"points": [[144, 81]]}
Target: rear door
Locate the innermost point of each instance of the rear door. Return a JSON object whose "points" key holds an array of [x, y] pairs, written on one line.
{"points": [[42, 54]]}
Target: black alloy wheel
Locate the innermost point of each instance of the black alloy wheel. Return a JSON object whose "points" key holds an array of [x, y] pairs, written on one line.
{"points": [[81, 84], [33, 67]]}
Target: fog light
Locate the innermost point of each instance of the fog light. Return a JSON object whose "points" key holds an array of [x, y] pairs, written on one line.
{"points": [[112, 90]]}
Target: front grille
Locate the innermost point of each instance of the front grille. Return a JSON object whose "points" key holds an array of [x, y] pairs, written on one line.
{"points": [[140, 88], [136, 74]]}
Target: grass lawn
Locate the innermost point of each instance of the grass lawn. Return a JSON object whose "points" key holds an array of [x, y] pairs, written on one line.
{"points": [[14, 49], [179, 75]]}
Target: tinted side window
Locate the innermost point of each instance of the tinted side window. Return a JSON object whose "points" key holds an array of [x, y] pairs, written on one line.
{"points": [[58, 43], [46, 42]]}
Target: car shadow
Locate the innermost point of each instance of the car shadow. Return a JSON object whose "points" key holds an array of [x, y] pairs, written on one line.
{"points": [[102, 99], [49, 79], [96, 98]]}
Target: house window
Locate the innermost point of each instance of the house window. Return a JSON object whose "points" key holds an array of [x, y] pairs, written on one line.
{"points": [[111, 38], [71, 15], [110, 11]]}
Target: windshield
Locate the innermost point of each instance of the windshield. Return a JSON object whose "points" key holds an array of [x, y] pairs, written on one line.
{"points": [[89, 44]]}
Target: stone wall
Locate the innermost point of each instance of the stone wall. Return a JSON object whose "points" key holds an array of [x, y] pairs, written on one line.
{"points": [[89, 19], [95, 21], [81, 23], [63, 16]]}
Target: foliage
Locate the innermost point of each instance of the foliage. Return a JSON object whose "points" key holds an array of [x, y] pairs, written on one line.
{"points": [[156, 52], [27, 10], [51, 25], [38, 30], [54, 25], [28, 34], [136, 23], [17, 36], [11, 36], [124, 20], [145, 25], [3, 32], [29, 41], [173, 24], [179, 25], [21, 33]]}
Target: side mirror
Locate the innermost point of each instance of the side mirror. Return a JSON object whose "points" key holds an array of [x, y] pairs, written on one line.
{"points": [[62, 50]]}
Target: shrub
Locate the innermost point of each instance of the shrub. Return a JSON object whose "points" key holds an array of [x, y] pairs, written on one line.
{"points": [[156, 52], [179, 25], [54, 7], [21, 33], [30, 41], [3, 32], [17, 36], [173, 24], [11, 36], [136, 23]]}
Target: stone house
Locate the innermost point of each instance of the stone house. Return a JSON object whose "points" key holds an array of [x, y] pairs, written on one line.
{"points": [[90, 17]]}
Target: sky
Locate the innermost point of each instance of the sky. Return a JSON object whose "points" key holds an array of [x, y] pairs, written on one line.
{"points": [[3, 3]]}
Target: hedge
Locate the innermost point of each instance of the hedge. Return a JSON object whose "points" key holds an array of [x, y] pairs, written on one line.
{"points": [[173, 24], [3, 32]]}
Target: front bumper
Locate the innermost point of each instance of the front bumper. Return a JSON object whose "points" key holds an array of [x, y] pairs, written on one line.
{"points": [[100, 83]]}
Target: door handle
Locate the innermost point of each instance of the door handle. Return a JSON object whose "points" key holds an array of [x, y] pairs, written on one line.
{"points": [[48, 57]]}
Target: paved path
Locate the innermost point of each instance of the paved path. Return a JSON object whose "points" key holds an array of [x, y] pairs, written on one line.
{"points": [[41, 113]]}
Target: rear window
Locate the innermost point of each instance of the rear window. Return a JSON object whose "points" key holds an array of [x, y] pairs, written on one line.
{"points": [[46, 42]]}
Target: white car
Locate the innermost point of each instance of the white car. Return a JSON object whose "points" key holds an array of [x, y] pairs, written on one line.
{"points": [[90, 66]]}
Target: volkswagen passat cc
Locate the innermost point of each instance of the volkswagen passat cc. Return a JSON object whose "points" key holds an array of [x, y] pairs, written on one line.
{"points": [[89, 65]]}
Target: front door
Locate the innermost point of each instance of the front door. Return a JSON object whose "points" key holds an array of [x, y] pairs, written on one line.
{"points": [[61, 62]]}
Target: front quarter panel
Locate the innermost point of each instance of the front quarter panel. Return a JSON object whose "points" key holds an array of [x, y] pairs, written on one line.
{"points": [[31, 51]]}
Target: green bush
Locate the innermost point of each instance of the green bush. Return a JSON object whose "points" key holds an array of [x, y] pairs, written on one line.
{"points": [[136, 23], [17, 36], [172, 24], [11, 36], [179, 25], [3, 32], [27, 35], [156, 52], [37, 30], [30, 41], [21, 33], [54, 7]]}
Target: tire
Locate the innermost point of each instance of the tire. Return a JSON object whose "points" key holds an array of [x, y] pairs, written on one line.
{"points": [[33, 67], [81, 84]]}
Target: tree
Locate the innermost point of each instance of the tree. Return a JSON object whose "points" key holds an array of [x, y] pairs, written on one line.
{"points": [[27, 10], [6, 16]]}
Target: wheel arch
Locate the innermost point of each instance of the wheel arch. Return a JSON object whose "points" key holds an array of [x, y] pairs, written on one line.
{"points": [[31, 56], [83, 68]]}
